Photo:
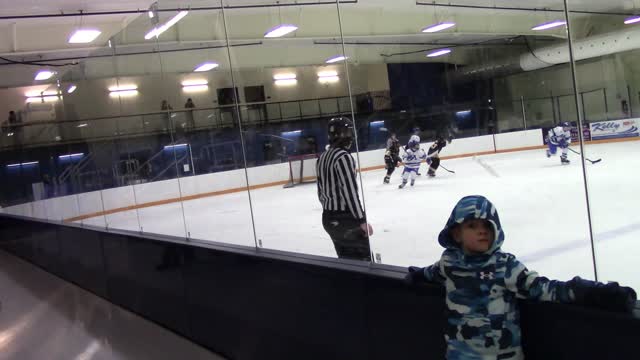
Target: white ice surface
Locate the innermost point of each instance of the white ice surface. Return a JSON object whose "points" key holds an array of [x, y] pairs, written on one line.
{"points": [[541, 204]]}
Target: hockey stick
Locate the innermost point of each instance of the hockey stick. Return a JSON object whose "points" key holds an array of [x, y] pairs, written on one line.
{"points": [[589, 160], [444, 168]]}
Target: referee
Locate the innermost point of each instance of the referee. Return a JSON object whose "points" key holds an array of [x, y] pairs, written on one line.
{"points": [[343, 217]]}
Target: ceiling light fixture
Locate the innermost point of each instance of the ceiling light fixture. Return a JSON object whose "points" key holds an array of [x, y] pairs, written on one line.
{"points": [[84, 36], [71, 89], [156, 31], [280, 30], [549, 25], [123, 88], [285, 76], [632, 20], [44, 75], [195, 82], [336, 58], [440, 52], [438, 27], [206, 67]]}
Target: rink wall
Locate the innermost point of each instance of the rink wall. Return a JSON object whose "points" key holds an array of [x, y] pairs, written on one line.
{"points": [[256, 304], [120, 199]]}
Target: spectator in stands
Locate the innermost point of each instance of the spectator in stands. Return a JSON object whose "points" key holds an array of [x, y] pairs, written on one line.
{"points": [[483, 283], [189, 115], [165, 105], [189, 104]]}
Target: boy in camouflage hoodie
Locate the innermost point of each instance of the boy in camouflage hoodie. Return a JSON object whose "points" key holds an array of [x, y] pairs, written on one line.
{"points": [[483, 284]]}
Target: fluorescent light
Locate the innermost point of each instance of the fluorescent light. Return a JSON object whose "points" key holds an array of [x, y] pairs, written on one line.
{"points": [[150, 13], [41, 93], [463, 113], [123, 93], [280, 30], [286, 82], [82, 125], [438, 27], [10, 134], [13, 165], [195, 88], [156, 31], [123, 87], [294, 132], [336, 59], [84, 36], [328, 79], [286, 76], [549, 25], [194, 82], [44, 75], [327, 73], [632, 20], [206, 66], [23, 164], [71, 89], [42, 99], [379, 122], [175, 146], [439, 53], [68, 156]]}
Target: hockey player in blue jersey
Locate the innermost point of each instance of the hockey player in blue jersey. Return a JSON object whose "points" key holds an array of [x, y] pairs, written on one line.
{"points": [[412, 158], [482, 286], [559, 137]]}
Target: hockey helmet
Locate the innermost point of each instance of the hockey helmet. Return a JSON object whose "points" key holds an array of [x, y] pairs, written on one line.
{"points": [[340, 132]]}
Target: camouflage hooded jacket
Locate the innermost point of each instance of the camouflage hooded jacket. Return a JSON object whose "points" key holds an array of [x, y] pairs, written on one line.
{"points": [[483, 321]]}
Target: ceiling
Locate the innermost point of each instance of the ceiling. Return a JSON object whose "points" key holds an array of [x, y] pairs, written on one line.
{"points": [[375, 31]]}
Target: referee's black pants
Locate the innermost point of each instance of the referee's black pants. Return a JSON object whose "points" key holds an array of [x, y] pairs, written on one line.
{"points": [[350, 241]]}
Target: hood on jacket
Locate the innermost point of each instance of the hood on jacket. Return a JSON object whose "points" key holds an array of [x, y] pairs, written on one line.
{"points": [[468, 208]]}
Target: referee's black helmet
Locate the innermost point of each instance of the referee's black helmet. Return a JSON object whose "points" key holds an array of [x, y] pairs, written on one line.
{"points": [[340, 132]]}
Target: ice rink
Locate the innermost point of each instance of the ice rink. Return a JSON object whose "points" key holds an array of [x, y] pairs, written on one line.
{"points": [[541, 203]]}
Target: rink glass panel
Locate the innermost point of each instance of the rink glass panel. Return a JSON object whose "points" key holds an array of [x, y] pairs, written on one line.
{"points": [[284, 104], [477, 93], [184, 171], [610, 82]]}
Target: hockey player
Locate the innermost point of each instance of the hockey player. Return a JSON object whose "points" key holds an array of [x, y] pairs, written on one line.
{"points": [[391, 156], [559, 136], [412, 158], [433, 156]]}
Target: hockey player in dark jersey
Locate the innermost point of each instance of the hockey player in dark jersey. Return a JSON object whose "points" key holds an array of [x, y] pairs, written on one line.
{"points": [[433, 156], [391, 156]]}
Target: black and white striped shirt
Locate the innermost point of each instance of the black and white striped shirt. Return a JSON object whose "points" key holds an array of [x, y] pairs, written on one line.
{"points": [[337, 182]]}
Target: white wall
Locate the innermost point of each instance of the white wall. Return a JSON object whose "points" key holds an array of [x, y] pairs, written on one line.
{"points": [[121, 197]]}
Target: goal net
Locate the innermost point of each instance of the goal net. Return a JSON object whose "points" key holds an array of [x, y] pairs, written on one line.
{"points": [[302, 169]]}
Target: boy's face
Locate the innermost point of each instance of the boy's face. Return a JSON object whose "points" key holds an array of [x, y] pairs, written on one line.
{"points": [[474, 236]]}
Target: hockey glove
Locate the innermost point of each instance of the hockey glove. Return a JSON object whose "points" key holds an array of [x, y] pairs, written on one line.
{"points": [[611, 296], [415, 276]]}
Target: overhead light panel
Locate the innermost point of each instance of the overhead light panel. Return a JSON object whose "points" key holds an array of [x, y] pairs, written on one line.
{"points": [[71, 89], [285, 76], [82, 125], [286, 82], [191, 86], [327, 77], [440, 52], [123, 88], [44, 75], [84, 36], [632, 20], [438, 27], [280, 30], [336, 59], [194, 82], [42, 99], [41, 93], [206, 67], [549, 25], [156, 31]]}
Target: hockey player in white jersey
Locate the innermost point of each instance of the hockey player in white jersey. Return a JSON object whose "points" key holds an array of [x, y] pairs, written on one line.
{"points": [[559, 137], [412, 158]]}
